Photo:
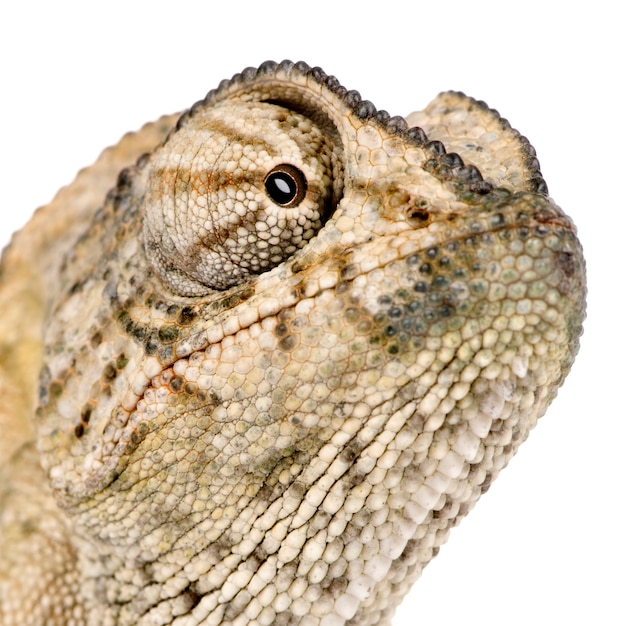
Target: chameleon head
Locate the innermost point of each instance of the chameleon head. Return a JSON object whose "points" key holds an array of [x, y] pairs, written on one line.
{"points": [[297, 344]]}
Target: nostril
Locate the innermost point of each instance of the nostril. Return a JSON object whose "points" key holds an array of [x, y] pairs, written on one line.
{"points": [[418, 216]]}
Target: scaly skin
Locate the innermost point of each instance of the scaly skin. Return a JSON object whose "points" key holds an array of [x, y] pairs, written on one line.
{"points": [[260, 379]]}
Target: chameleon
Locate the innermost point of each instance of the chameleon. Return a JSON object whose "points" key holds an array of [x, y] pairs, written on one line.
{"points": [[262, 356]]}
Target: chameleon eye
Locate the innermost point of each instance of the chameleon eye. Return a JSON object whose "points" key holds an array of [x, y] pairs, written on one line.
{"points": [[286, 185], [225, 205]]}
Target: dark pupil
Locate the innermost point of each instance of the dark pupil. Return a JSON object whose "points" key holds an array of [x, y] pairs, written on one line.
{"points": [[281, 187], [286, 185]]}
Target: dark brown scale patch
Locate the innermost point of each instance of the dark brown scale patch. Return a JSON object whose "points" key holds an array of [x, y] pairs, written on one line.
{"points": [[76, 287], [567, 263], [121, 362], [109, 373], [132, 328], [135, 438], [186, 316], [56, 389], [165, 354], [355, 478], [190, 388], [288, 343], [161, 307], [176, 384], [348, 272], [351, 452], [189, 600], [281, 330], [151, 343], [85, 414], [297, 293], [257, 558], [168, 333], [334, 584], [172, 311]]}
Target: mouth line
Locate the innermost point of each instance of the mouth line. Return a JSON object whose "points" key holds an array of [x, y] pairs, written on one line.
{"points": [[216, 327]]}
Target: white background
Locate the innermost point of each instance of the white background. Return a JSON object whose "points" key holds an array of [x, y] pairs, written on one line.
{"points": [[546, 544]]}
